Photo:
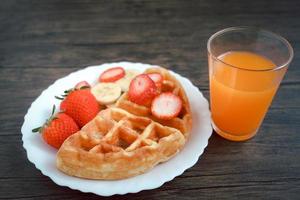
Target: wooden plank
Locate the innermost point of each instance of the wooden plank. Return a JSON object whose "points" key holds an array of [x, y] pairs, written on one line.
{"points": [[28, 84], [41, 41], [276, 143], [277, 191], [34, 81], [247, 172], [170, 33]]}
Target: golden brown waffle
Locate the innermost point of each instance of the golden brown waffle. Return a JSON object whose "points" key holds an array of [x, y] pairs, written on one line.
{"points": [[183, 122], [116, 145]]}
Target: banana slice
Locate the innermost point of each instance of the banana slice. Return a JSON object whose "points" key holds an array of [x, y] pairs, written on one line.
{"points": [[106, 93], [125, 81]]}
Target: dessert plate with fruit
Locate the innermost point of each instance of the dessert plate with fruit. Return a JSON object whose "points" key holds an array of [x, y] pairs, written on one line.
{"points": [[117, 128]]}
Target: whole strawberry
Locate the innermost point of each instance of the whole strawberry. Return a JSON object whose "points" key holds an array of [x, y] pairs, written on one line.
{"points": [[57, 129], [81, 105]]}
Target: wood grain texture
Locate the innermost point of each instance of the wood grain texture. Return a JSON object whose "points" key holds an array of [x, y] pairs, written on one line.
{"points": [[41, 41]]}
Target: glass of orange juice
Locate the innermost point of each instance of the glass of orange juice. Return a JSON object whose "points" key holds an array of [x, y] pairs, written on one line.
{"points": [[246, 66]]}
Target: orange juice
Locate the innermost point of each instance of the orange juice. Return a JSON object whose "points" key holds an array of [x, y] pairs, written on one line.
{"points": [[242, 87]]}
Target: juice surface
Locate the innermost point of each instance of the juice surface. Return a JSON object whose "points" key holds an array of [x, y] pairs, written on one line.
{"points": [[241, 97], [247, 60]]}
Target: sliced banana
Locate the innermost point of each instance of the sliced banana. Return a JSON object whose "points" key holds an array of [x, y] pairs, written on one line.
{"points": [[106, 93], [125, 81]]}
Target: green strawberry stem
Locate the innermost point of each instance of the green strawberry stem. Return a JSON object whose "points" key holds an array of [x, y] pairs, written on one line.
{"points": [[52, 117], [84, 87], [53, 110], [35, 130], [66, 92], [59, 98]]}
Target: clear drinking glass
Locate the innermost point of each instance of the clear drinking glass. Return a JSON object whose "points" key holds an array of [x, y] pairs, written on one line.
{"points": [[246, 66]]}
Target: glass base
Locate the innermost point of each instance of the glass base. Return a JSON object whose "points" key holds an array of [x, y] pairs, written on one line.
{"points": [[232, 137]]}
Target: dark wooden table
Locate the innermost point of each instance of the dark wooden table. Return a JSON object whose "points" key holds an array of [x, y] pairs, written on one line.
{"points": [[41, 41]]}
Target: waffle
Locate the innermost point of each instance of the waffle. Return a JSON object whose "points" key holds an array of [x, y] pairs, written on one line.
{"points": [[117, 144], [183, 122]]}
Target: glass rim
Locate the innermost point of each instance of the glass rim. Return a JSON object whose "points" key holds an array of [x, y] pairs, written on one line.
{"points": [[241, 28]]}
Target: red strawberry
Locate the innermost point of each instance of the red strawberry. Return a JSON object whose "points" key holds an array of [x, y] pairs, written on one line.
{"points": [[157, 78], [81, 105], [82, 85], [166, 106], [63, 97], [57, 129], [63, 105], [142, 90], [112, 74]]}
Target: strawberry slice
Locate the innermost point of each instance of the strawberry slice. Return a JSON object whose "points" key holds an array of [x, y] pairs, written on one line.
{"points": [[112, 74], [166, 106], [142, 90], [82, 85], [157, 78]]}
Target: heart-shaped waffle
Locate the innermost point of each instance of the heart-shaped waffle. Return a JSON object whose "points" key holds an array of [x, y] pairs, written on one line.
{"points": [[117, 144]]}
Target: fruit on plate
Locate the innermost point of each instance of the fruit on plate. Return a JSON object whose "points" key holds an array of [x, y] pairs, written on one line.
{"points": [[125, 81], [142, 90], [112, 74], [81, 105], [82, 85], [57, 129], [106, 93], [166, 106]]}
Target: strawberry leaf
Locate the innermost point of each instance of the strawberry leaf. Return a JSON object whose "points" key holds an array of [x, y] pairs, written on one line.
{"points": [[60, 98], [35, 130], [53, 110], [84, 87]]}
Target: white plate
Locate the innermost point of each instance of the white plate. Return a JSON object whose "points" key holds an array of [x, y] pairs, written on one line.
{"points": [[43, 156]]}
